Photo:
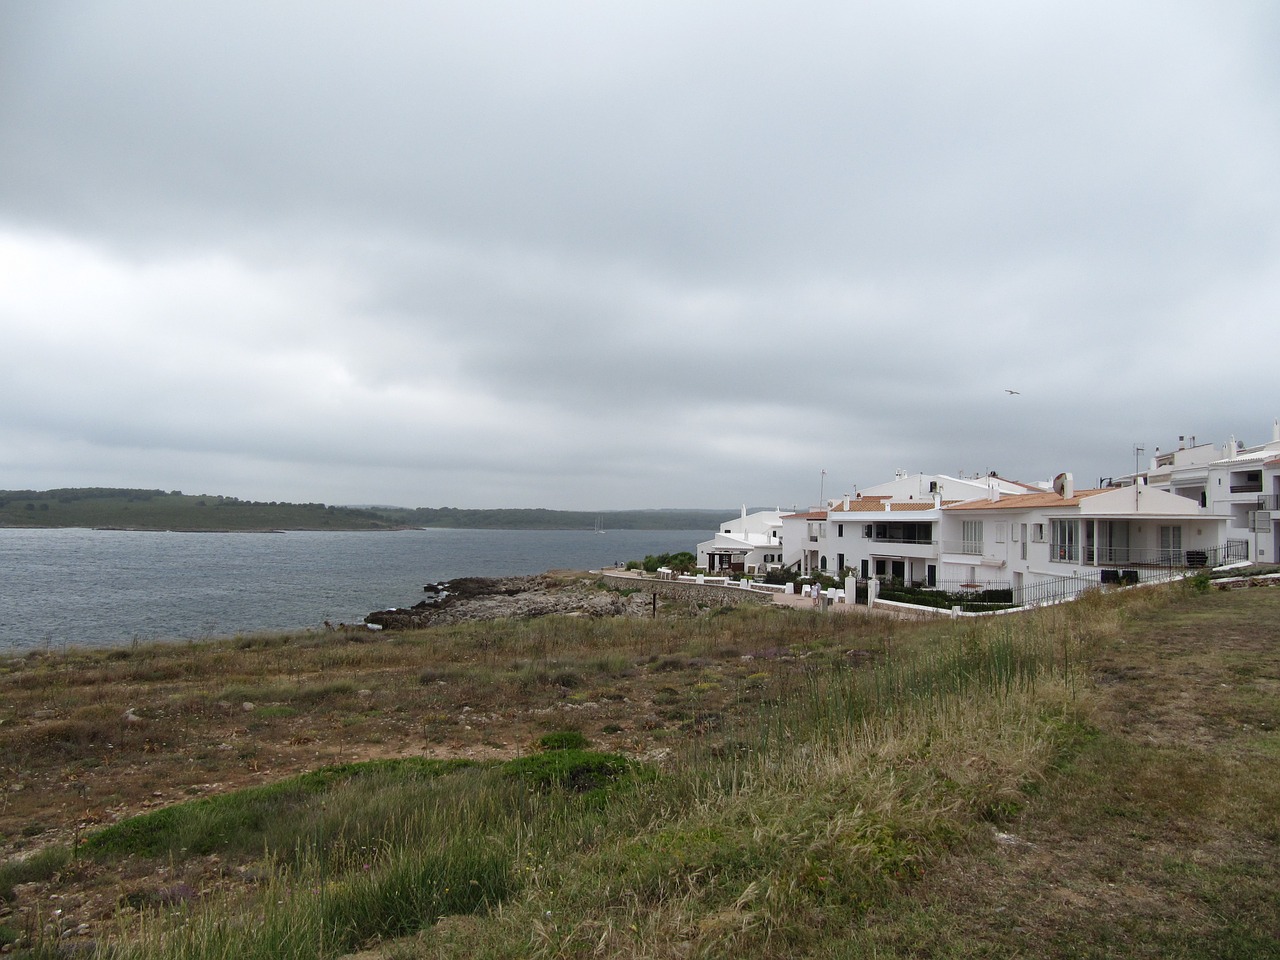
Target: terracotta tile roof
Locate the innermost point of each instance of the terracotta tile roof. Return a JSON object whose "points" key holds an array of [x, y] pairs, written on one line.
{"points": [[811, 515], [1027, 501], [876, 505]]}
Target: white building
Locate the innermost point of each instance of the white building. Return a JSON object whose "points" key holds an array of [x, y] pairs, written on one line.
{"points": [[886, 531], [1039, 541], [1231, 480], [750, 543]]}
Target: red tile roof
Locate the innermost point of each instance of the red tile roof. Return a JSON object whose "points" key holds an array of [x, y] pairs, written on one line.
{"points": [[1025, 501]]}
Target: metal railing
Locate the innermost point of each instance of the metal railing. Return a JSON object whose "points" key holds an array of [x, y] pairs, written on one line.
{"points": [[1169, 564], [1269, 501], [1054, 591], [971, 548], [922, 541], [1192, 558]]}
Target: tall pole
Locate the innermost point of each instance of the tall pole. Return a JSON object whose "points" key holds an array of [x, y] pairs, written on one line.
{"points": [[822, 490]]}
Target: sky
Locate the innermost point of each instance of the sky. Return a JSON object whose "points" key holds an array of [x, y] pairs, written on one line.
{"points": [[606, 255]]}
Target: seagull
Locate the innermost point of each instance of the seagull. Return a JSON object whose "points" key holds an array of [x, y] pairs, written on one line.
{"points": [[1018, 392]]}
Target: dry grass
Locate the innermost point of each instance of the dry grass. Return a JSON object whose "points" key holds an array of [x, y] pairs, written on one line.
{"points": [[1092, 780], [1162, 837]]}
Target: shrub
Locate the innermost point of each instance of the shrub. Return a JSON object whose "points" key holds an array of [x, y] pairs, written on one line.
{"points": [[681, 562], [577, 771]]}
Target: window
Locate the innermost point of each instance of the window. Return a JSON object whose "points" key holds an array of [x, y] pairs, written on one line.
{"points": [[1065, 545], [866, 530], [971, 534], [1037, 532], [839, 529]]}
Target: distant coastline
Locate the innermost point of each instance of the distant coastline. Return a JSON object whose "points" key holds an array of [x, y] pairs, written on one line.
{"points": [[124, 509]]}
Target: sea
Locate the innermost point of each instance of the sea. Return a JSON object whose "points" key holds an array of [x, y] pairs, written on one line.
{"points": [[72, 588]]}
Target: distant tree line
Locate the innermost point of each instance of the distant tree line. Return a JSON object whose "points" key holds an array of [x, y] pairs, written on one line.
{"points": [[173, 510]]}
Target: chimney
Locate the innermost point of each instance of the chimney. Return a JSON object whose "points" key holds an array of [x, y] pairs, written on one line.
{"points": [[937, 500], [744, 511], [993, 491]]}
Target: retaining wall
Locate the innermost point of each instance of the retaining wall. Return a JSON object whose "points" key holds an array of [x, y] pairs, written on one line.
{"points": [[675, 589]]}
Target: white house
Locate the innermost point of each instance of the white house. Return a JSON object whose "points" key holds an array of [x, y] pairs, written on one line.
{"points": [[750, 543], [1265, 521], [886, 531], [1232, 480], [1038, 541]]}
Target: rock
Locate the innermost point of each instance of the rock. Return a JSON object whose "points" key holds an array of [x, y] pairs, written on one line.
{"points": [[492, 598]]}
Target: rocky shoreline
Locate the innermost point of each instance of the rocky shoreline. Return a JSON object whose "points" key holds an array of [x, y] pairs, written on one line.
{"points": [[495, 598]]}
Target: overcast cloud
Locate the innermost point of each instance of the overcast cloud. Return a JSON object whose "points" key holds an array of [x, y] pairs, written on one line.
{"points": [[612, 255]]}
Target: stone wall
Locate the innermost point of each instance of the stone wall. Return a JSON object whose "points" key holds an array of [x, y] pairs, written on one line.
{"points": [[677, 590]]}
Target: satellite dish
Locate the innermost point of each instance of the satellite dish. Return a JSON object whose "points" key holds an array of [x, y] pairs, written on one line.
{"points": [[1063, 486]]}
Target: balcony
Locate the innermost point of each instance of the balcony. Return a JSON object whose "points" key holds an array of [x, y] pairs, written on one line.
{"points": [[1251, 487], [972, 548], [1269, 501], [1193, 558]]}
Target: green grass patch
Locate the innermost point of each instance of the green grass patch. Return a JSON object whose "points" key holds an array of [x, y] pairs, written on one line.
{"points": [[274, 817], [39, 866], [571, 769], [563, 740]]}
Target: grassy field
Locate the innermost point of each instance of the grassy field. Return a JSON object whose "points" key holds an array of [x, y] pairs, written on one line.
{"points": [[1092, 780]]}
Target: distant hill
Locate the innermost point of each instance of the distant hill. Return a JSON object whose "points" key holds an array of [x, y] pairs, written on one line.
{"points": [[541, 519], [129, 509]]}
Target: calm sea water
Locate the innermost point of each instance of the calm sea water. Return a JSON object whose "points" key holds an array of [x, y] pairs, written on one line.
{"points": [[94, 588]]}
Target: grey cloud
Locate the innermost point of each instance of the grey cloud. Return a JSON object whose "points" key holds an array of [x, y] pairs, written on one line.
{"points": [[557, 254]]}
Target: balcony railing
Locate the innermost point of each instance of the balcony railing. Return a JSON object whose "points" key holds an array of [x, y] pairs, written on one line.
{"points": [[919, 541], [971, 547], [1255, 487], [1193, 558], [1269, 501], [1064, 553]]}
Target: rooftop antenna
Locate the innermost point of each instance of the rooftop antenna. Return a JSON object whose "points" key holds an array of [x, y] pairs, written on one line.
{"points": [[1138, 450], [822, 489]]}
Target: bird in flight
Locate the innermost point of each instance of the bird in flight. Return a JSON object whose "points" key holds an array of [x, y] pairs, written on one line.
{"points": [[1018, 392]]}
